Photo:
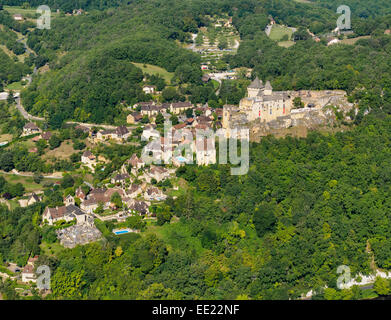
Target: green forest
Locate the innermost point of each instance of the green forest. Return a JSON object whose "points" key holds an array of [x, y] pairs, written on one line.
{"points": [[76, 45], [306, 206]]}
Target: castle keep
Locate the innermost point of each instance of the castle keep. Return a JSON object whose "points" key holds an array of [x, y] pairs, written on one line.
{"points": [[264, 104]]}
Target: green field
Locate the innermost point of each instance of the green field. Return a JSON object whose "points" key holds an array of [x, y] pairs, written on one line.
{"points": [[151, 69], [15, 86], [278, 32], [51, 249], [352, 41], [27, 182], [19, 10], [286, 44]]}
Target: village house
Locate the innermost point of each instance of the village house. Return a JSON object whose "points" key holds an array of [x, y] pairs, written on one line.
{"points": [[189, 121], [18, 17], [100, 196], [65, 213], [33, 198], [28, 274], [205, 152], [46, 135], [88, 159], [104, 134], [203, 120], [154, 193], [68, 200], [120, 133], [180, 126], [120, 178], [179, 107], [134, 117], [90, 205], [133, 191], [159, 151], [148, 132], [143, 103], [30, 128], [80, 193], [148, 89], [139, 207], [156, 172], [135, 164]]}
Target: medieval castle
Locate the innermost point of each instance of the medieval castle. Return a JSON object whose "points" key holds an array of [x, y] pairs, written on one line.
{"points": [[266, 108]]}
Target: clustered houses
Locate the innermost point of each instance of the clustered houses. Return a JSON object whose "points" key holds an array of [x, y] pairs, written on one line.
{"points": [[120, 134], [151, 110], [98, 197], [179, 147], [164, 149], [135, 163]]}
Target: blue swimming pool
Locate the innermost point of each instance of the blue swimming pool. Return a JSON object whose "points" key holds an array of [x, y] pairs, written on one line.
{"points": [[181, 159], [121, 232]]}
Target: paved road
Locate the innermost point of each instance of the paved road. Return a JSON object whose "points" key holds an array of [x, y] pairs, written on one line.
{"points": [[24, 113], [25, 46], [91, 125], [28, 116]]}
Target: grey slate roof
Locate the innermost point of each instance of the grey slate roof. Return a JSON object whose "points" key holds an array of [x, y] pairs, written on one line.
{"points": [[256, 84]]}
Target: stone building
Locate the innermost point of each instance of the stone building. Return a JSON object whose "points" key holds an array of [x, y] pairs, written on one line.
{"points": [[263, 103]]}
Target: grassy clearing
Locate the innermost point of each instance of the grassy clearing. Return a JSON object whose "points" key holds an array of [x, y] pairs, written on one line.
{"points": [[19, 10], [182, 187], [177, 236], [352, 41], [62, 152], [15, 86], [278, 32], [29, 11], [151, 69], [51, 249], [27, 182], [6, 137], [286, 44], [8, 52]]}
